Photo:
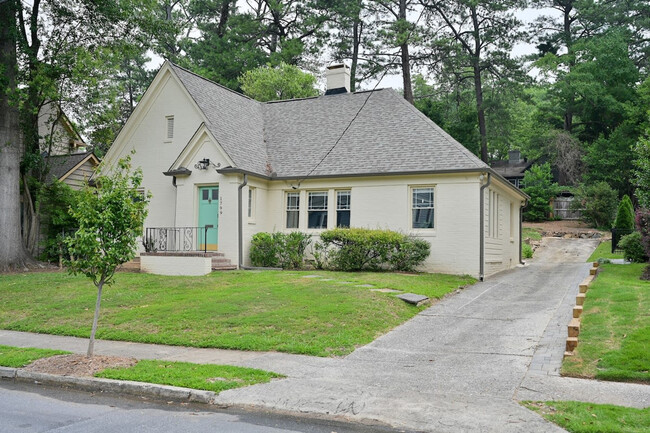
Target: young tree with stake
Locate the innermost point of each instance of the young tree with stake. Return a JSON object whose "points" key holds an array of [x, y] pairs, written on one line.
{"points": [[110, 218]]}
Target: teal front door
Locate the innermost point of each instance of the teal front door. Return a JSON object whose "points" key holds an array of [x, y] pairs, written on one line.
{"points": [[208, 217]]}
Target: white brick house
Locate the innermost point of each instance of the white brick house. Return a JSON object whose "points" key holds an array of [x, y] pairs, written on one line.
{"points": [[212, 157]]}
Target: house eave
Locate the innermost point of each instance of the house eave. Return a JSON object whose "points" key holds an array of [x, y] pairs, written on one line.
{"points": [[179, 172], [478, 170]]}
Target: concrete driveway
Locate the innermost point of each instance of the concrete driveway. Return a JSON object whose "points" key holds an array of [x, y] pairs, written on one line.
{"points": [[459, 365]]}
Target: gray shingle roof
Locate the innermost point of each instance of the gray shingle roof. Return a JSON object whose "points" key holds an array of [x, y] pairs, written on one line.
{"points": [[233, 119], [291, 137], [59, 165]]}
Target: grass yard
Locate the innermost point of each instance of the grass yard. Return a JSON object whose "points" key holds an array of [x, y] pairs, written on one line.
{"points": [[577, 417], [18, 357], [604, 251], [614, 341], [531, 233], [209, 377], [247, 310]]}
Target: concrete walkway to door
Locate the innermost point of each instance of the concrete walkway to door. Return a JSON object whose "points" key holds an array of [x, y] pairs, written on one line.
{"points": [[461, 365]]}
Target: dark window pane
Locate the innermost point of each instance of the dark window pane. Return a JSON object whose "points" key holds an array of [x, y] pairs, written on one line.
{"points": [[215, 194], [343, 218], [423, 197], [422, 218], [206, 194], [317, 220]]}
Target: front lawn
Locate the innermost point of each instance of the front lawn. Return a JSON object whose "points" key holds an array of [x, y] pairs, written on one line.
{"points": [[271, 310], [208, 377], [604, 251], [577, 417], [18, 357], [615, 332]]}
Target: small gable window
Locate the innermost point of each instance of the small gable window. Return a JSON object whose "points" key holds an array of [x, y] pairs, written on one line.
{"points": [[170, 127]]}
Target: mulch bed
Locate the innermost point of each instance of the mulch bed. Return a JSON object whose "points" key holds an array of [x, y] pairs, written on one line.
{"points": [[78, 365]]}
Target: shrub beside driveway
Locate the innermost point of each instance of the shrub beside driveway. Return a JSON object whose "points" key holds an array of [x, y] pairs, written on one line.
{"points": [[294, 312]]}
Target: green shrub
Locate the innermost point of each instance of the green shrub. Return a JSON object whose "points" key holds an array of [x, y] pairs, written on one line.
{"points": [[643, 225], [409, 254], [291, 249], [55, 200], [625, 214], [263, 252], [598, 204], [540, 188], [632, 248], [526, 251], [286, 250], [356, 249]]}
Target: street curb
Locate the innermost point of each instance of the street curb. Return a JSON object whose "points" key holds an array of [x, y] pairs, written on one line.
{"points": [[93, 384]]}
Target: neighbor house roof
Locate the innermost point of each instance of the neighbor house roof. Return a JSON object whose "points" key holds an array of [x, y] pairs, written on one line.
{"points": [[509, 169], [62, 165], [296, 138]]}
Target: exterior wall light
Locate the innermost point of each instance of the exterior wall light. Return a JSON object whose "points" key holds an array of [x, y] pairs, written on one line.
{"points": [[205, 163]]}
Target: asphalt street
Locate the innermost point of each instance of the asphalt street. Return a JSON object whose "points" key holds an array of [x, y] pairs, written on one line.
{"points": [[35, 408]]}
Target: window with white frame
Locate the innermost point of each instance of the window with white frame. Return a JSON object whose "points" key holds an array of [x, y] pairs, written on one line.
{"points": [[343, 208], [251, 203], [422, 208], [170, 127], [293, 210], [317, 210]]}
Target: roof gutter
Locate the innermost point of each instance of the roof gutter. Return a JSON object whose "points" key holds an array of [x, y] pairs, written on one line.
{"points": [[240, 229], [481, 274]]}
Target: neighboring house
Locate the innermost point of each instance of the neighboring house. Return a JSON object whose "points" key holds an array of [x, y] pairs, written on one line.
{"points": [[74, 170], [57, 134], [513, 169], [223, 167]]}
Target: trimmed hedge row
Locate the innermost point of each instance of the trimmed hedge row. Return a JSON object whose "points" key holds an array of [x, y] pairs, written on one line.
{"points": [[341, 249]]}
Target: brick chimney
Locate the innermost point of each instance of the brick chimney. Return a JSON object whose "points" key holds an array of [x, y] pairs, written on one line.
{"points": [[338, 79]]}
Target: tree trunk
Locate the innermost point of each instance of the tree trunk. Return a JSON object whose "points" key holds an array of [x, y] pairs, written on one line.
{"points": [[478, 86], [568, 41], [12, 252], [91, 343], [482, 129], [223, 18], [405, 59], [357, 29]]}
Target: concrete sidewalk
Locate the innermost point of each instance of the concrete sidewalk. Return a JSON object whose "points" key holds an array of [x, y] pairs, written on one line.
{"points": [[461, 365]]}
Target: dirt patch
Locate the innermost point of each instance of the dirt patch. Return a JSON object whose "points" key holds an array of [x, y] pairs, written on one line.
{"points": [[567, 229], [78, 365]]}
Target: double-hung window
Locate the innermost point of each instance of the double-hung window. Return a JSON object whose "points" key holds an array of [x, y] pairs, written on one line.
{"points": [[293, 209], [317, 210], [343, 208], [422, 208]]}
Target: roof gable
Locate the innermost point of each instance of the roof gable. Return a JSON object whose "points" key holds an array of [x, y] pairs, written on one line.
{"points": [[234, 120]]}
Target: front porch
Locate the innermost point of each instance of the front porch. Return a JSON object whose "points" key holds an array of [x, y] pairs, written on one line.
{"points": [[182, 251]]}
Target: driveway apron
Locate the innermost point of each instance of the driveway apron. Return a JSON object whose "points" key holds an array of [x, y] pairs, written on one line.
{"points": [[454, 367]]}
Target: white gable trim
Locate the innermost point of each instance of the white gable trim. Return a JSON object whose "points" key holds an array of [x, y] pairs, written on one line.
{"points": [[194, 145], [162, 78]]}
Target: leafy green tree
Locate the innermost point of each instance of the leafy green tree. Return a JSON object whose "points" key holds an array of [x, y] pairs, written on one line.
{"points": [[478, 38], [642, 172], [273, 84], [625, 214], [540, 187], [110, 218], [598, 203]]}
